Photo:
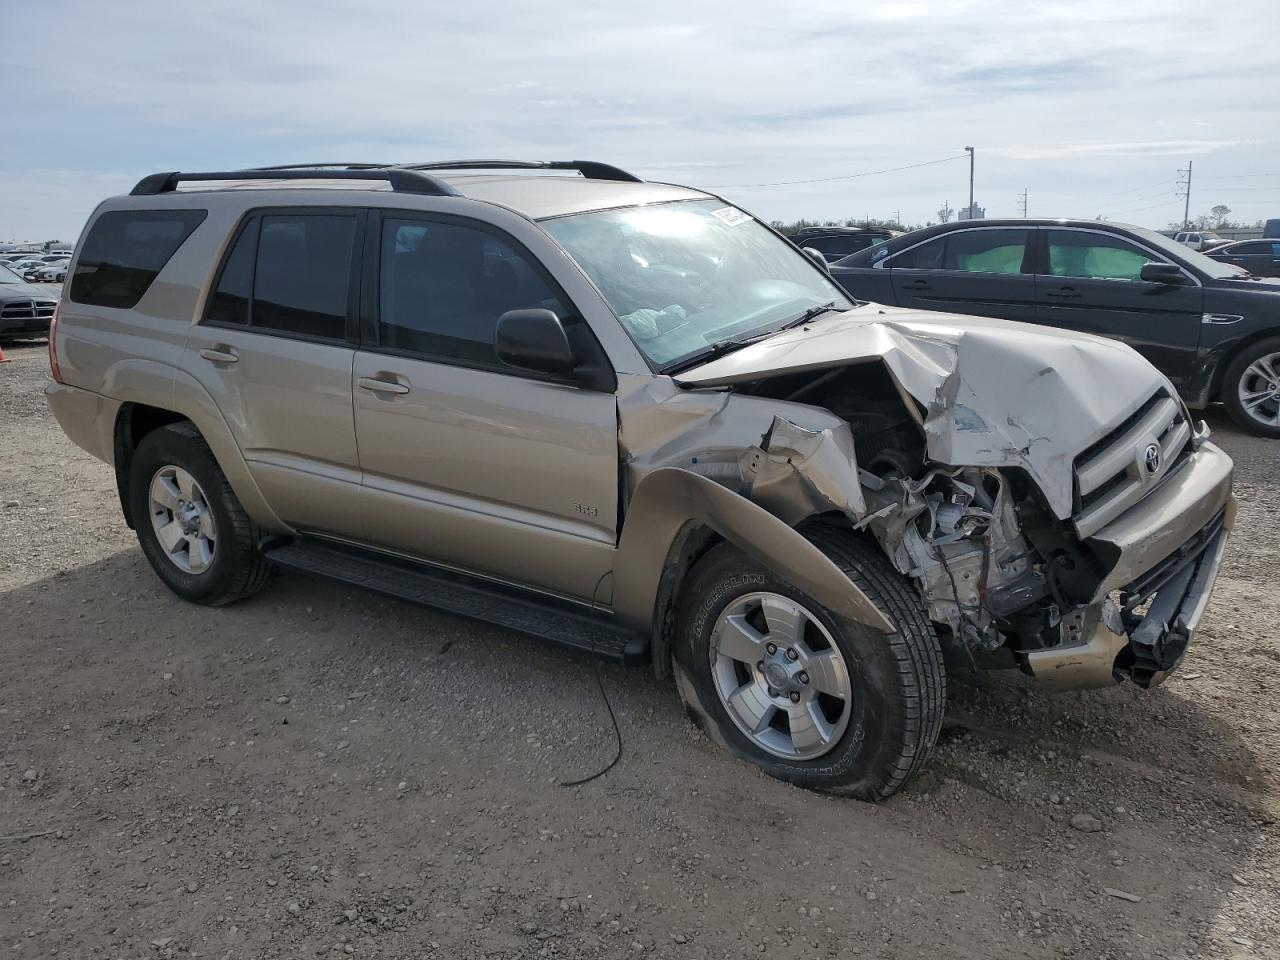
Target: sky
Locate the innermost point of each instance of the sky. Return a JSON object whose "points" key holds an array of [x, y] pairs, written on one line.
{"points": [[1091, 107]]}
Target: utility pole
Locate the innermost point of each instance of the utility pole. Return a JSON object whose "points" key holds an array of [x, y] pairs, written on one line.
{"points": [[971, 155], [1184, 187], [1022, 203]]}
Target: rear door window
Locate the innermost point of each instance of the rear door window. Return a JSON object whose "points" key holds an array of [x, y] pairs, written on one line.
{"points": [[289, 273], [302, 278], [969, 251], [986, 251], [125, 252]]}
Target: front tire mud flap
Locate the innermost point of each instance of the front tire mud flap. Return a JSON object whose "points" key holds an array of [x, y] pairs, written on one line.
{"points": [[668, 499]]}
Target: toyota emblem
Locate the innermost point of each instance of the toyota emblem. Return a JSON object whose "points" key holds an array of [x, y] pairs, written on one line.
{"points": [[1151, 458]]}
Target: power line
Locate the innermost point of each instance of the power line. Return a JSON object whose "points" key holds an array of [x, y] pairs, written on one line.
{"points": [[1239, 176], [1154, 206], [847, 176], [1120, 193]]}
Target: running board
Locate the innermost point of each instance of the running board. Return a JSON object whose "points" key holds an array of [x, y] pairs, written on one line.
{"points": [[510, 607]]}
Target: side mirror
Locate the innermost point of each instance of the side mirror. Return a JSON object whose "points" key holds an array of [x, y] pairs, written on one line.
{"points": [[816, 256], [534, 340], [1162, 273]]}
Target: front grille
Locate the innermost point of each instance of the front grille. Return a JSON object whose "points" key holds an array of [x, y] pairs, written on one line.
{"points": [[27, 310], [1114, 474]]}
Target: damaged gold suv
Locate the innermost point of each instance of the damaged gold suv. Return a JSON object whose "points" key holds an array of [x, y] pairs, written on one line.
{"points": [[631, 418]]}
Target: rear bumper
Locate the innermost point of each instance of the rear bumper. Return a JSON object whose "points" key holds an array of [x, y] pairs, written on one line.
{"points": [[87, 418]]}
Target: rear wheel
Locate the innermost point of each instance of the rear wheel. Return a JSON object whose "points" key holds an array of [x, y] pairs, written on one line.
{"points": [[811, 697], [190, 525], [1251, 388]]}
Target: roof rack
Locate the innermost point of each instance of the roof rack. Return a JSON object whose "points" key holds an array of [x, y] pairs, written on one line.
{"points": [[337, 164], [588, 168], [402, 180]]}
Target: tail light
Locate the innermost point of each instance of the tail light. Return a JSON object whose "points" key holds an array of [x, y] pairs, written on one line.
{"points": [[53, 343]]}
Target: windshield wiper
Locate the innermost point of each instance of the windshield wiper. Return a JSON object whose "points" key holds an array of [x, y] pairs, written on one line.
{"points": [[716, 350], [720, 347], [810, 314]]}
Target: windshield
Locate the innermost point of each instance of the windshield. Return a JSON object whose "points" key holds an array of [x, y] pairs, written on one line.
{"points": [[8, 276], [1180, 252], [687, 275]]}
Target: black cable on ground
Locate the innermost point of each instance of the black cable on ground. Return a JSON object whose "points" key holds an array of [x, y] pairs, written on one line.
{"points": [[604, 695], [617, 735]]}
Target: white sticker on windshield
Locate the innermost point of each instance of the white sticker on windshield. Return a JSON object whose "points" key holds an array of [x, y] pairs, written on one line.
{"points": [[731, 216]]}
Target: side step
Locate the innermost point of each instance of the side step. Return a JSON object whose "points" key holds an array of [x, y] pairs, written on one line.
{"points": [[546, 617]]}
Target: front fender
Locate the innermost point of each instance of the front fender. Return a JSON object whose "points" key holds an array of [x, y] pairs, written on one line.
{"points": [[667, 499]]}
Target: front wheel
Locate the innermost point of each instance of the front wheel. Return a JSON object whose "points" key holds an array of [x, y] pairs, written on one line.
{"points": [[1251, 388], [811, 697]]}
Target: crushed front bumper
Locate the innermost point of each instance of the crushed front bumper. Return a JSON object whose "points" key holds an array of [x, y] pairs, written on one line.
{"points": [[1163, 558]]}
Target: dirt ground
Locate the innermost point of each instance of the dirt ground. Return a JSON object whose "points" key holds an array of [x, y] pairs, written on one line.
{"points": [[324, 770]]}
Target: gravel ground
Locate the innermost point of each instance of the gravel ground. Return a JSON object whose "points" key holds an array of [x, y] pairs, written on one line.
{"points": [[320, 770]]}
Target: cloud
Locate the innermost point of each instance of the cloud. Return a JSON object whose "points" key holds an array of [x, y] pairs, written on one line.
{"points": [[1070, 100], [1152, 148]]}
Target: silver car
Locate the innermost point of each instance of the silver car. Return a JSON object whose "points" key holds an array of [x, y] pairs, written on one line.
{"points": [[631, 418]]}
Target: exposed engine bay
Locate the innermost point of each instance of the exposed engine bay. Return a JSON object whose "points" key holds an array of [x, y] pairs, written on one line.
{"points": [[954, 531]]}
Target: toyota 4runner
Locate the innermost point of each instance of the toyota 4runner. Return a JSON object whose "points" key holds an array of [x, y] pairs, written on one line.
{"points": [[631, 418]]}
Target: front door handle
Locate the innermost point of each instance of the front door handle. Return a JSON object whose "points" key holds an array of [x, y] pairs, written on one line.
{"points": [[1064, 293], [220, 354], [916, 285], [381, 386]]}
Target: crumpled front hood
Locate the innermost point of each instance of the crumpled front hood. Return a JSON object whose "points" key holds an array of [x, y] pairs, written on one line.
{"points": [[995, 393]]}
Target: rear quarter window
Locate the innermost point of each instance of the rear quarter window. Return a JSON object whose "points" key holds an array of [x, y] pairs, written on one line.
{"points": [[125, 251]]}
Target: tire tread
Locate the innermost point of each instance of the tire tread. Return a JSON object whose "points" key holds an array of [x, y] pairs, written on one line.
{"points": [[916, 648]]}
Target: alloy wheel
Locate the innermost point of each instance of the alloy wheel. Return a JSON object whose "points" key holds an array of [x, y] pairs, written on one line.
{"points": [[1259, 390], [780, 676], [182, 519]]}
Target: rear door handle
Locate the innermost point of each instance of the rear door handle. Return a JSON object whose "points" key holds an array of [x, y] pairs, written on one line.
{"points": [[219, 354], [381, 386], [916, 285], [1065, 293]]}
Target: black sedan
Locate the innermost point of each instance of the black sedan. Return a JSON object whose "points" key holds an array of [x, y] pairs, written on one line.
{"points": [[1259, 257], [1212, 329]]}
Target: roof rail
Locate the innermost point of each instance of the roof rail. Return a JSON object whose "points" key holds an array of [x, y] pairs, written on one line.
{"points": [[401, 180], [588, 168], [337, 164]]}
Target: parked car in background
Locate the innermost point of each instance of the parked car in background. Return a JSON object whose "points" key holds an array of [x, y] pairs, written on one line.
{"points": [[1271, 230], [654, 429], [52, 272], [836, 243], [1214, 331], [23, 264], [1199, 240], [25, 311], [1259, 257]]}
